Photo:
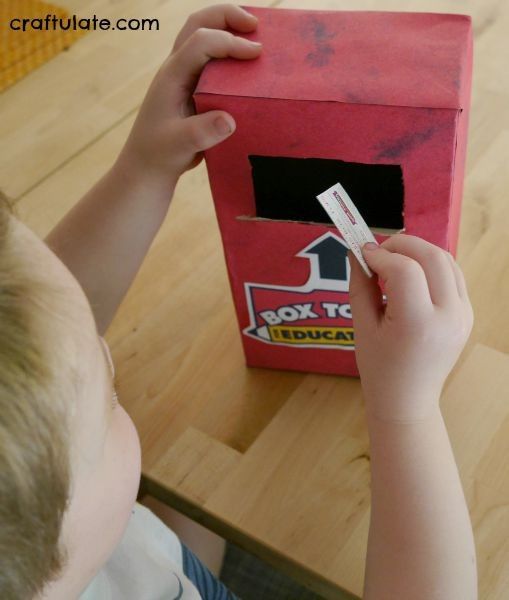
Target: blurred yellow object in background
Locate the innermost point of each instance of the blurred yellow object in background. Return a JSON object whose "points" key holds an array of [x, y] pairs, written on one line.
{"points": [[23, 51]]}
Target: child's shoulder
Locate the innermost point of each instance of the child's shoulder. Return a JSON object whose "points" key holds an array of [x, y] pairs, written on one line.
{"points": [[147, 563]]}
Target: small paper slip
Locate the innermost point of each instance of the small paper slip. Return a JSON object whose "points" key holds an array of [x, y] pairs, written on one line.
{"points": [[340, 208]]}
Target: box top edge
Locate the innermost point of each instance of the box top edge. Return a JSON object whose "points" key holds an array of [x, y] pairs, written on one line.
{"points": [[392, 58]]}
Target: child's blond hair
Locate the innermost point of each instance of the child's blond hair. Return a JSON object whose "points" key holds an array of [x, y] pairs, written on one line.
{"points": [[35, 384]]}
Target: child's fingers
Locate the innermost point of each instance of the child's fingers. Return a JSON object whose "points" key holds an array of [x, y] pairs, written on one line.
{"points": [[187, 63], [365, 296], [200, 132], [405, 283], [221, 16], [462, 290], [459, 277], [435, 263]]}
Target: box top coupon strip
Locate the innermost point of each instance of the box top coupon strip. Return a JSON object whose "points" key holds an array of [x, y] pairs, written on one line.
{"points": [[344, 214]]}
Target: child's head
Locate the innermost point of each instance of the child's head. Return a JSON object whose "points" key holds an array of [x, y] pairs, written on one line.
{"points": [[69, 458]]}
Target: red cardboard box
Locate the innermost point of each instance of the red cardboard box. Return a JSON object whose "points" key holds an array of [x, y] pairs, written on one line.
{"points": [[378, 101]]}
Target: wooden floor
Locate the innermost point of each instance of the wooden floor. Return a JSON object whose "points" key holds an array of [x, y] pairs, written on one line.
{"points": [[62, 126]]}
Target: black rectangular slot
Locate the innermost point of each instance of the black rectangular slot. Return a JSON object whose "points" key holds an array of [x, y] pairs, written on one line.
{"points": [[286, 189]]}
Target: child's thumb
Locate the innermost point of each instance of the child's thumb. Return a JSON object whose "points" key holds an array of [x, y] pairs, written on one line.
{"points": [[404, 279], [365, 295], [200, 132]]}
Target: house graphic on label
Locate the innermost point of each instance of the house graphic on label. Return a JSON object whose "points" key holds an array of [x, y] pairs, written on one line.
{"points": [[314, 315]]}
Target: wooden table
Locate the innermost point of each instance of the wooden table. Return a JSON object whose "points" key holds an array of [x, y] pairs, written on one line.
{"points": [[277, 462]]}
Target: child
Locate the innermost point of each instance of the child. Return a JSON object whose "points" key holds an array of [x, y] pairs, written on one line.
{"points": [[70, 457]]}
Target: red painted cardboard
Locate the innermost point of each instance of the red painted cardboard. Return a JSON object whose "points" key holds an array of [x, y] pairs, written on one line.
{"points": [[361, 87]]}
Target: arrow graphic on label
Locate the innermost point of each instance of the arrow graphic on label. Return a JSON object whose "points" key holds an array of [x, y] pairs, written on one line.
{"points": [[329, 271], [332, 260]]}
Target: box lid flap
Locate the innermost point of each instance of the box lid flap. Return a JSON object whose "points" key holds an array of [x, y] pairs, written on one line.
{"points": [[360, 57]]}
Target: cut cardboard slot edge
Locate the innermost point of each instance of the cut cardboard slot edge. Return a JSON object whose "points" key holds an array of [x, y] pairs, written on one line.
{"points": [[378, 230]]}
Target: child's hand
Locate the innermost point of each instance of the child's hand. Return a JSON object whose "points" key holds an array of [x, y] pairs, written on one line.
{"points": [[168, 137], [406, 348]]}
